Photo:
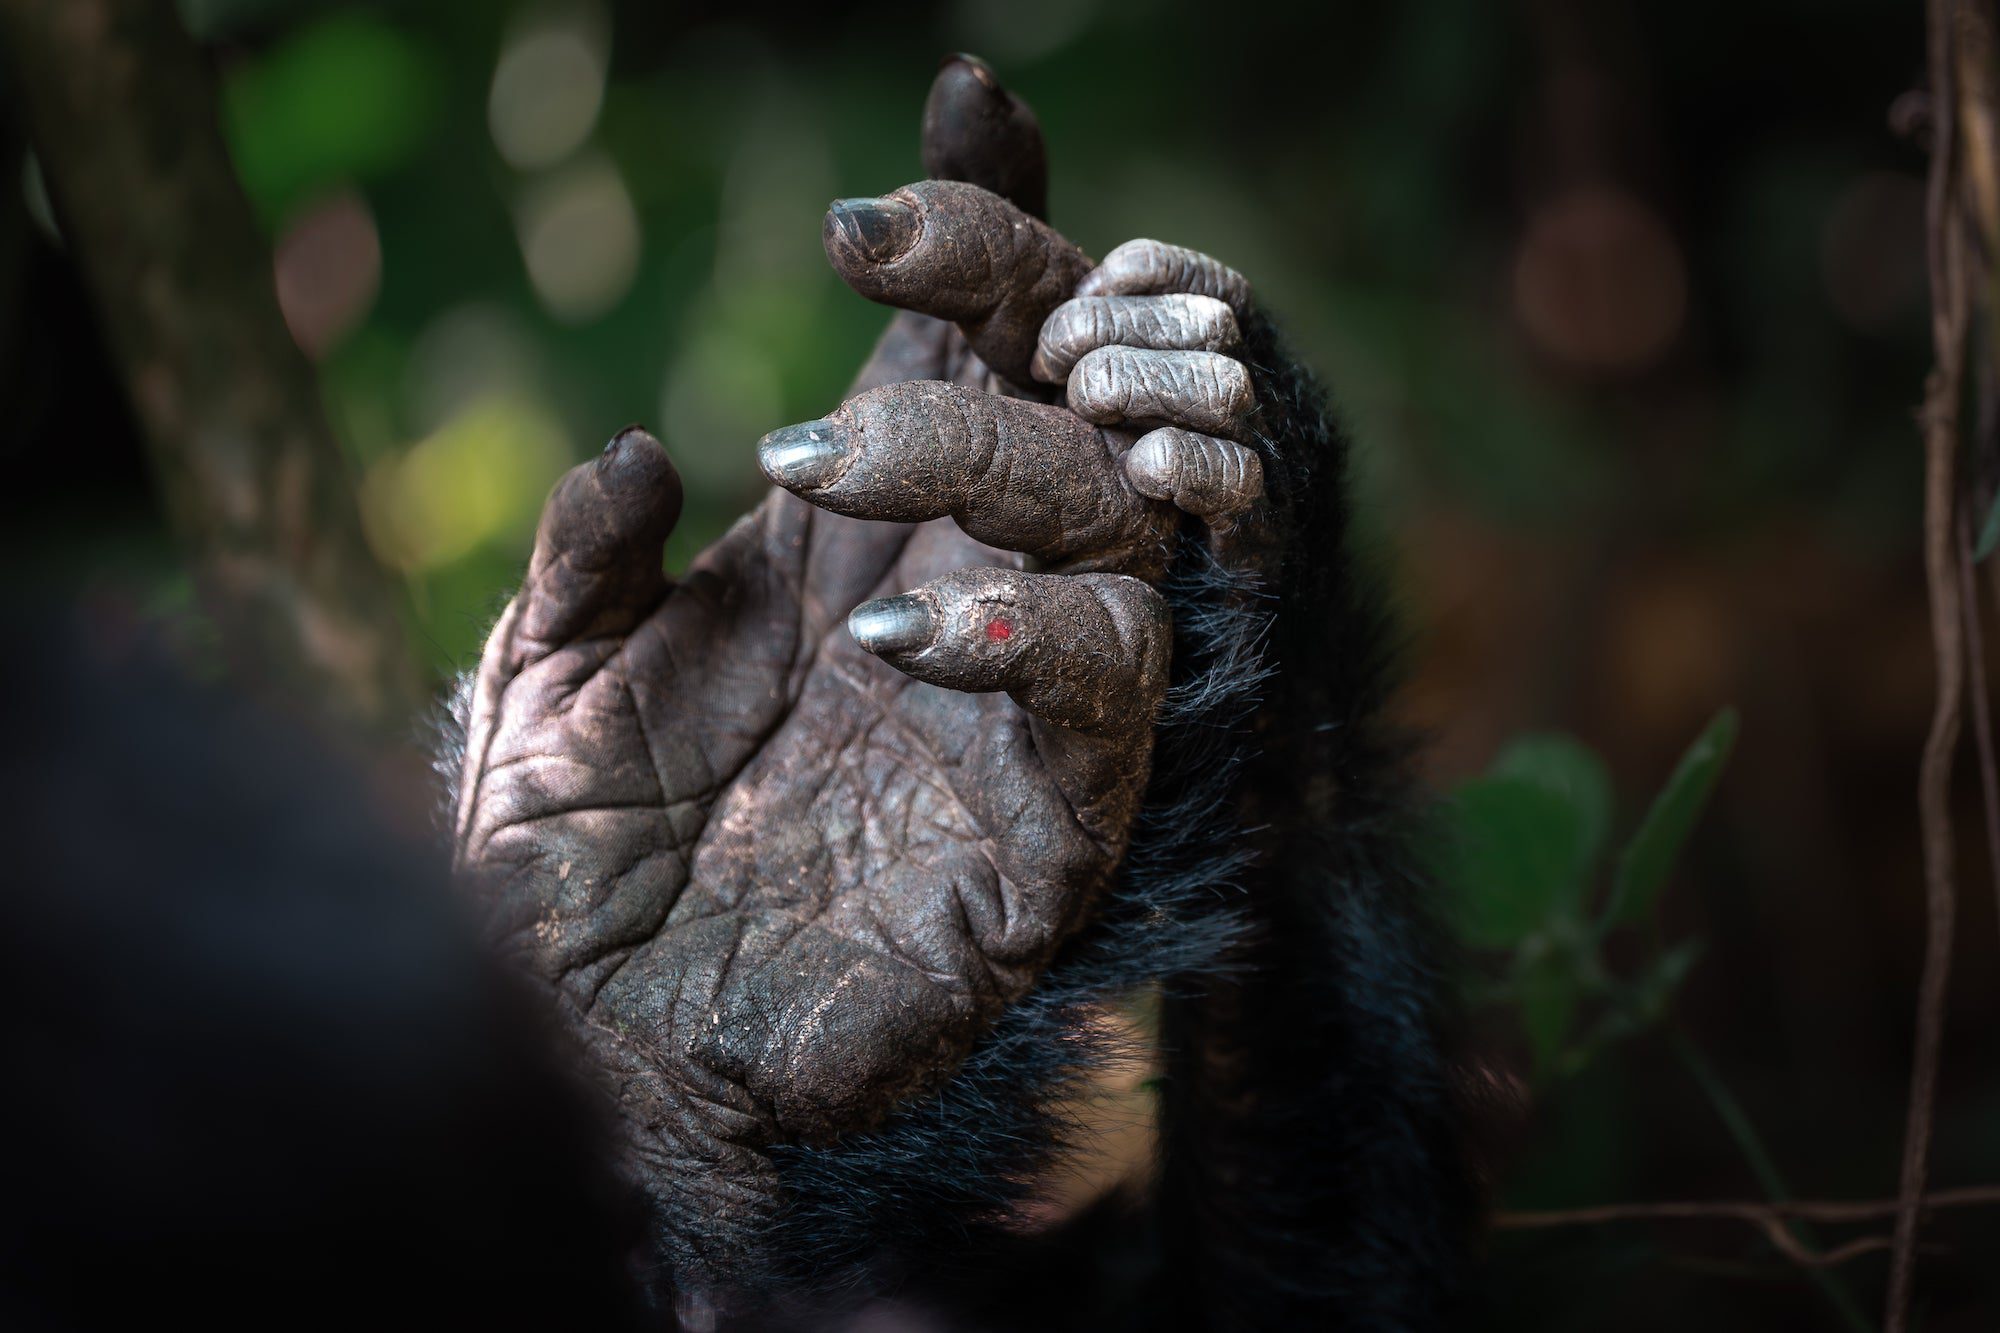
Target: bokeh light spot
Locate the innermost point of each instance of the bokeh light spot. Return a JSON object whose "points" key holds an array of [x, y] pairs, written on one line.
{"points": [[548, 87], [580, 240], [720, 394], [464, 354], [1599, 281], [479, 477], [328, 267]]}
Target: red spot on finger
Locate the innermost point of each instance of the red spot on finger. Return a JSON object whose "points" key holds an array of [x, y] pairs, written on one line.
{"points": [[998, 631]]}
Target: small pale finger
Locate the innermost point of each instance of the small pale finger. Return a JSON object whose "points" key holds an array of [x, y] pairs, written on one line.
{"points": [[1144, 268], [1174, 322], [1202, 391], [1088, 653], [1199, 474]]}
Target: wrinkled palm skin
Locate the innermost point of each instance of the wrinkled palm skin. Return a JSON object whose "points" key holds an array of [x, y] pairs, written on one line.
{"points": [[728, 831], [832, 852], [777, 884]]}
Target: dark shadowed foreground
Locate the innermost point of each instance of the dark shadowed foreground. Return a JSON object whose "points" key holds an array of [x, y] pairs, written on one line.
{"points": [[256, 1067]]}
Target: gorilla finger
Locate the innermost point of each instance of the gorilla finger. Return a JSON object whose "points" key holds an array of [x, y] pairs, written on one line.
{"points": [[596, 566], [978, 132], [1197, 473], [1142, 268], [1174, 322], [1088, 653], [957, 252], [1019, 475], [1202, 391]]}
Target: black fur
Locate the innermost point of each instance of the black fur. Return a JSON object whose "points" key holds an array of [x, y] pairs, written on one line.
{"points": [[1313, 1173], [259, 1071], [1314, 1170]]}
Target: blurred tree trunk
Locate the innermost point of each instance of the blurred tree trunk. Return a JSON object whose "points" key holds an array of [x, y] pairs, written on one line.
{"points": [[122, 109]]}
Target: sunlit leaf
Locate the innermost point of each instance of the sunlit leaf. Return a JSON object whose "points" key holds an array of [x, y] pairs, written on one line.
{"points": [[1649, 857], [1511, 860], [1566, 767]]}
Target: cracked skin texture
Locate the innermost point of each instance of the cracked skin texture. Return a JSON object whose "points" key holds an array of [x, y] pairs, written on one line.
{"points": [[778, 884]]}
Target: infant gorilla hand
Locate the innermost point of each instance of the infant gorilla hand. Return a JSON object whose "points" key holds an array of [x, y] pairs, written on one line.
{"points": [[786, 835]]}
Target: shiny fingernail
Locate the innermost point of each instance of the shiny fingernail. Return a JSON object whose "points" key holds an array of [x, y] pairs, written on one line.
{"points": [[974, 66], [893, 624], [631, 443], [878, 230], [807, 456]]}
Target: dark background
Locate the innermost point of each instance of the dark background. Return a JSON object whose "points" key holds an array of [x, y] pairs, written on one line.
{"points": [[1625, 305]]}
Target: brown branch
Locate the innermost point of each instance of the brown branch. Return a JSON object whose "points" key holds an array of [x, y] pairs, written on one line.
{"points": [[1770, 1218], [121, 106], [1948, 31], [1832, 1211]]}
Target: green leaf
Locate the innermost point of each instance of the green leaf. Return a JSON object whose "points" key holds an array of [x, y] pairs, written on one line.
{"points": [[1549, 988], [346, 98], [1567, 768], [1511, 860], [1653, 994], [1649, 857], [1989, 532], [1635, 1006]]}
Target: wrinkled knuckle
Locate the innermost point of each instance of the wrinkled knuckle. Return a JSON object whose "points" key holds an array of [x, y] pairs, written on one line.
{"points": [[1218, 322], [1143, 625], [1131, 255], [1154, 465], [1198, 473], [1093, 384], [1069, 333], [1233, 390], [1102, 323], [1228, 479]]}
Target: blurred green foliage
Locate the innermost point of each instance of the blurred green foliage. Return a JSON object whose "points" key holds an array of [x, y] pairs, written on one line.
{"points": [[347, 99], [1521, 862], [663, 264]]}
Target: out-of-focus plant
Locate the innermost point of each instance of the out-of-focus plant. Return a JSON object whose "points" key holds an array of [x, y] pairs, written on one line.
{"points": [[1524, 867], [1525, 870]]}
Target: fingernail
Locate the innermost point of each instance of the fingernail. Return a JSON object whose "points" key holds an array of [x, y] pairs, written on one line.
{"points": [[978, 68], [892, 624], [1152, 466], [879, 230], [633, 461], [806, 456], [624, 445]]}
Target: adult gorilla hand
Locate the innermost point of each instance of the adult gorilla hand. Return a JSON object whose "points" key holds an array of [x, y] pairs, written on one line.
{"points": [[785, 836]]}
